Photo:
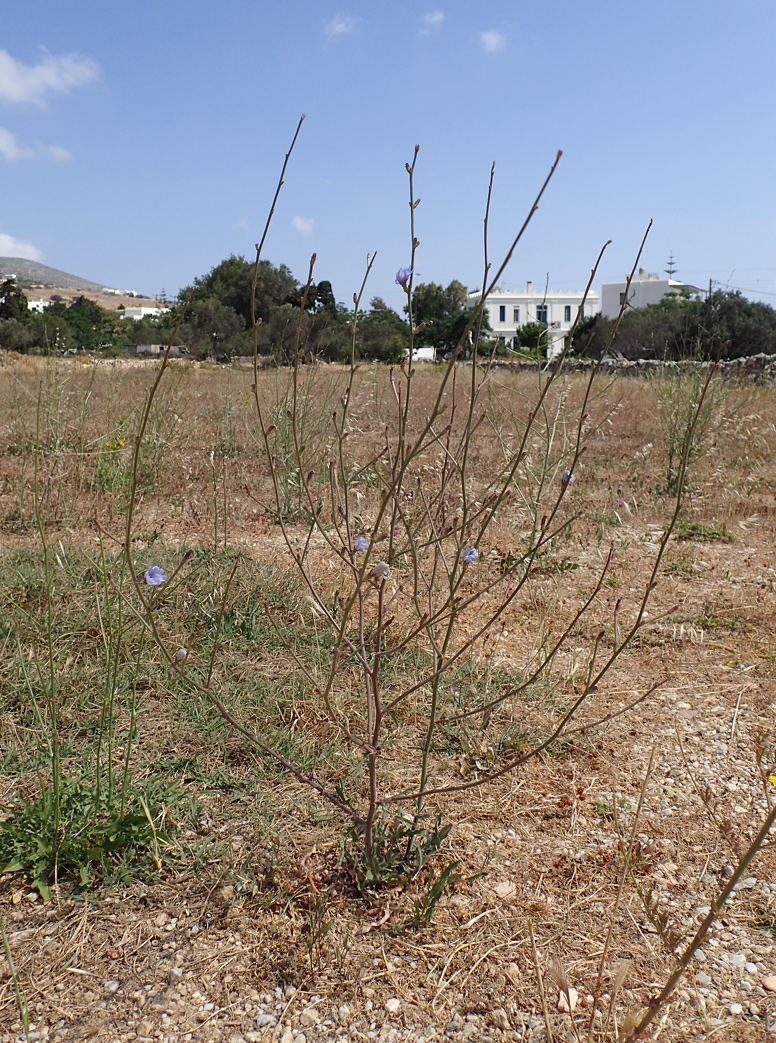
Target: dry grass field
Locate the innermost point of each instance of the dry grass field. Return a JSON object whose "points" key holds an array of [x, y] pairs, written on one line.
{"points": [[238, 916]]}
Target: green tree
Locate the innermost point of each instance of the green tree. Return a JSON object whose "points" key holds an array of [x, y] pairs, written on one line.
{"points": [[13, 303], [440, 314], [212, 328], [725, 325], [531, 339], [230, 283]]}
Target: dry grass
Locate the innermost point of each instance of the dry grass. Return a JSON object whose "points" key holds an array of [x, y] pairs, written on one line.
{"points": [[235, 907]]}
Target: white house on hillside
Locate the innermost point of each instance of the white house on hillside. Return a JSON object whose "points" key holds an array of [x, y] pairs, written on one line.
{"points": [[508, 309], [645, 288], [141, 313]]}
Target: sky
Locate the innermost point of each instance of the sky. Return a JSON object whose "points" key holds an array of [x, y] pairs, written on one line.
{"points": [[141, 143]]}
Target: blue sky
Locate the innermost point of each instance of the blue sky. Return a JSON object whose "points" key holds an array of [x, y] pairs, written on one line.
{"points": [[140, 143]]}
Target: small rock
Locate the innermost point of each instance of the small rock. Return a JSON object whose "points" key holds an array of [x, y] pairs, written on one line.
{"points": [[750, 968], [513, 973], [500, 1020], [702, 979], [504, 889], [308, 1017], [769, 983], [568, 1004], [736, 1008], [737, 959], [393, 1005]]}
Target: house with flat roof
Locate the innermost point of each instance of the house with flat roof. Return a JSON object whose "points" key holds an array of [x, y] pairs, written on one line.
{"points": [[645, 288], [510, 309]]}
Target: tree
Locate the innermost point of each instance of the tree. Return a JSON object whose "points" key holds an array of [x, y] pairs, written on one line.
{"points": [[725, 325], [532, 339], [230, 283], [13, 303], [211, 328], [382, 335], [440, 314]]}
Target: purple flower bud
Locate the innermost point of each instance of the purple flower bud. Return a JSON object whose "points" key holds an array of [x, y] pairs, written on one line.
{"points": [[361, 544], [403, 276], [470, 555], [155, 575], [567, 478]]}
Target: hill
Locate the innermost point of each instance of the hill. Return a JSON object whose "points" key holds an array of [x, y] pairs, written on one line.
{"points": [[40, 274]]}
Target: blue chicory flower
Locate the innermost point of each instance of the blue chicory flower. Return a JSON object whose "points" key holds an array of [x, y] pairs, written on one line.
{"points": [[470, 555], [403, 276], [155, 575], [361, 544]]}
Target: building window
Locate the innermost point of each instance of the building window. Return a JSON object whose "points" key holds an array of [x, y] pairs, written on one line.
{"points": [[541, 313], [622, 299], [502, 313], [567, 313], [516, 315]]}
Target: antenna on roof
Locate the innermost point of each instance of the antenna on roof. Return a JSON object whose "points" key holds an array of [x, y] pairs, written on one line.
{"points": [[671, 269]]}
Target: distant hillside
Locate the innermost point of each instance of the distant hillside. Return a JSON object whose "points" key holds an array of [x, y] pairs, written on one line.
{"points": [[32, 272]]}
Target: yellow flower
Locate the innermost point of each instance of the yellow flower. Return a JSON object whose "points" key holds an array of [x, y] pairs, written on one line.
{"points": [[772, 780]]}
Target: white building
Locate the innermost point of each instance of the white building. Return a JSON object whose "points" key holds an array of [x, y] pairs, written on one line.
{"points": [[508, 309], [140, 313], [645, 288]]}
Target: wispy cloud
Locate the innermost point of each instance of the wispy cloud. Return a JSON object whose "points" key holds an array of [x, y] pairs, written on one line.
{"points": [[492, 41], [12, 247], [29, 84], [341, 25], [61, 155], [432, 20], [303, 225], [11, 148]]}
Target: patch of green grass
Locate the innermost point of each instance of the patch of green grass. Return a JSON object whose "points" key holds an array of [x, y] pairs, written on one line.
{"points": [[84, 835], [681, 567], [700, 533]]}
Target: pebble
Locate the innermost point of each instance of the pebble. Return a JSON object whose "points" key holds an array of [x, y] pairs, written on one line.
{"points": [[568, 1003], [769, 983], [736, 1009]]}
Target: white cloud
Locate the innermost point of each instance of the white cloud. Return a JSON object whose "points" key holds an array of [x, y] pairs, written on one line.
{"points": [[492, 41], [431, 21], [341, 25], [30, 83], [61, 155], [303, 225], [11, 149], [11, 247]]}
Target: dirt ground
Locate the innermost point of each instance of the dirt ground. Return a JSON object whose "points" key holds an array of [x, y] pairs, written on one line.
{"points": [[251, 931]]}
